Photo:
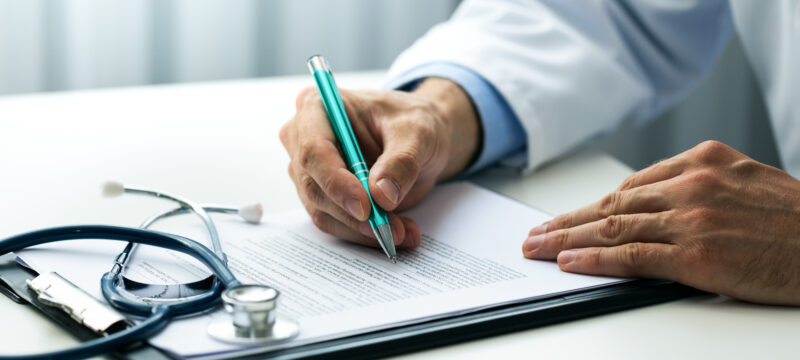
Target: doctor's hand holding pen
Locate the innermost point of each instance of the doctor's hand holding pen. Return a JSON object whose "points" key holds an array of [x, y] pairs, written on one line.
{"points": [[410, 140]]}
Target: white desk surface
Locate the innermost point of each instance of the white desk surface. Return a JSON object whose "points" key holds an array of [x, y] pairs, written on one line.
{"points": [[218, 143]]}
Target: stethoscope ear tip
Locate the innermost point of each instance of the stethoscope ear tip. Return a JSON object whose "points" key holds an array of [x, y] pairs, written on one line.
{"points": [[112, 189], [252, 213]]}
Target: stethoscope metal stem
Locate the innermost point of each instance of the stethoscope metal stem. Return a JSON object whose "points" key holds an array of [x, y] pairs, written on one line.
{"points": [[123, 257], [197, 209], [147, 292]]}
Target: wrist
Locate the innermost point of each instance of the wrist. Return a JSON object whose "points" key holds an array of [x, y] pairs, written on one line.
{"points": [[456, 110]]}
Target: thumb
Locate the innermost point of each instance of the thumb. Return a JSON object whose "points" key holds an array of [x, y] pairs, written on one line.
{"points": [[394, 173]]}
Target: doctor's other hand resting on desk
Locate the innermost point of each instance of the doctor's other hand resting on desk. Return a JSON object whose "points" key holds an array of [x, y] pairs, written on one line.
{"points": [[410, 140], [711, 218]]}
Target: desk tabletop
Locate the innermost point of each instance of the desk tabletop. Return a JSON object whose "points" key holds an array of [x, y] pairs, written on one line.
{"points": [[217, 143]]}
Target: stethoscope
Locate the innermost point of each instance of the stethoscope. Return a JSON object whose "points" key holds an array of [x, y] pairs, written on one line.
{"points": [[252, 308]]}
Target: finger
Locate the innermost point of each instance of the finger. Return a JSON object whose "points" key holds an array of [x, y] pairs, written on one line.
{"points": [[644, 199], [413, 233], [711, 152], [660, 171], [288, 131], [287, 134], [303, 95], [404, 230], [284, 136], [314, 198], [406, 150], [629, 260], [319, 156], [321, 161], [398, 229], [417, 192], [330, 225], [361, 108], [612, 231]]}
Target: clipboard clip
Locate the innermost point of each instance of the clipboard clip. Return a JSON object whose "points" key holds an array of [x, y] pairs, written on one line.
{"points": [[54, 290]]}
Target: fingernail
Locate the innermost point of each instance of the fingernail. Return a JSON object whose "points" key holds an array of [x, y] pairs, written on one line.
{"points": [[533, 242], [353, 206], [566, 257], [389, 189], [541, 229]]}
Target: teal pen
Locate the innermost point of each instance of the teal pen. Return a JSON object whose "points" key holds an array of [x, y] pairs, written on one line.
{"points": [[352, 153]]}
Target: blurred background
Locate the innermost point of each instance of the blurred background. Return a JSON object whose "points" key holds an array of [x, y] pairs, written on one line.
{"points": [[63, 45]]}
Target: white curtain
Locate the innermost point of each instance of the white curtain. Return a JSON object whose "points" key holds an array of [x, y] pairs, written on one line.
{"points": [[50, 45]]}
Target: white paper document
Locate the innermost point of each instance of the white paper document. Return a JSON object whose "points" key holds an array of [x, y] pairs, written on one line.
{"points": [[470, 258]]}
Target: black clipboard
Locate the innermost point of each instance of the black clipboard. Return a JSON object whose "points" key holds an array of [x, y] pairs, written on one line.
{"points": [[409, 338]]}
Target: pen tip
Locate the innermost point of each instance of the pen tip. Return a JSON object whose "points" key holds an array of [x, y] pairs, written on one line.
{"points": [[394, 259]]}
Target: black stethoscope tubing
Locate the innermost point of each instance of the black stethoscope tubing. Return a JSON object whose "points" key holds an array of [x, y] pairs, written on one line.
{"points": [[157, 315]]}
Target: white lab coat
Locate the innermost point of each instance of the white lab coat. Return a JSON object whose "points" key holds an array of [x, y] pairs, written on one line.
{"points": [[571, 70]]}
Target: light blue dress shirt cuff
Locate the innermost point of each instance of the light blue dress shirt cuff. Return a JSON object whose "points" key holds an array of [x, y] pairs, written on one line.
{"points": [[503, 135]]}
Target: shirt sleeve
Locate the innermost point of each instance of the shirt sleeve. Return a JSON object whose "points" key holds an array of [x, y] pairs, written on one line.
{"points": [[503, 135]]}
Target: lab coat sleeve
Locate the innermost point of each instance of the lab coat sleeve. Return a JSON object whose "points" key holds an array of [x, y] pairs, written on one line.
{"points": [[571, 70], [503, 135]]}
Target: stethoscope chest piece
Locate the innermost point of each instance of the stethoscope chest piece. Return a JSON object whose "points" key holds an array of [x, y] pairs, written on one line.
{"points": [[253, 317]]}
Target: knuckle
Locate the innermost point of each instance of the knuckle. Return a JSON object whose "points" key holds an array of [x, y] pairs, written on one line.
{"points": [[703, 180], [632, 256], [320, 220], [310, 98], [328, 183], [562, 221], [419, 111], [284, 133], [301, 96], [594, 257], [610, 203], [629, 182], [425, 130], [406, 161], [611, 227], [706, 177], [659, 162], [711, 146], [711, 151], [746, 166], [309, 153], [559, 239], [311, 189]]}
